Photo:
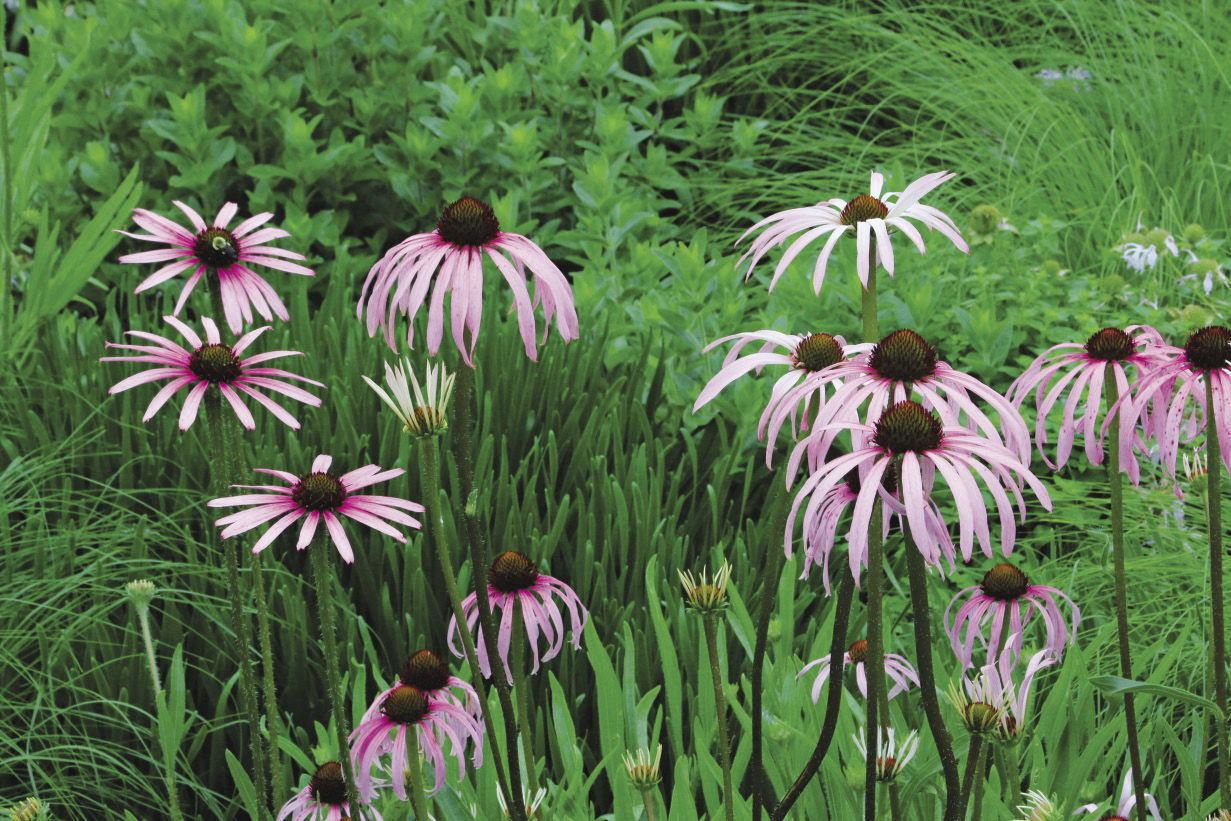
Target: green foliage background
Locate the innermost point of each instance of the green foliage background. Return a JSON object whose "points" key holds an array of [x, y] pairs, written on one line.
{"points": [[635, 142]]}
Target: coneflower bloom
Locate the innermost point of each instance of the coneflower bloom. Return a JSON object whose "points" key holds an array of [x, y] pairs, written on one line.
{"points": [[1038, 807], [1081, 370], [896, 667], [867, 215], [422, 415], [514, 578], [453, 256], [995, 687], [1128, 800], [1206, 356], [805, 354], [428, 672], [325, 797], [1000, 596], [315, 497], [228, 253], [891, 756], [402, 723], [913, 440], [532, 803], [903, 366], [211, 363]]}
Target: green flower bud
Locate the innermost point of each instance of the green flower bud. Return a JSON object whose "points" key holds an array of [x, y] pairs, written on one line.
{"points": [[1193, 233]]}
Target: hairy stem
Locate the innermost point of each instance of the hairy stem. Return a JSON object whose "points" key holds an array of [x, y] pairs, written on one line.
{"points": [[973, 755], [414, 773], [773, 570], [720, 706], [875, 664], [976, 810], [1214, 515], [521, 689], [647, 798]]}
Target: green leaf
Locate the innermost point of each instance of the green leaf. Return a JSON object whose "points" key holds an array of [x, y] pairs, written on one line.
{"points": [[243, 785], [1116, 686]]}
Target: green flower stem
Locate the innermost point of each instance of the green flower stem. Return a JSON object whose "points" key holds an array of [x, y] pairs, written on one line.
{"points": [[463, 388], [414, 773], [239, 623], [973, 754], [324, 602], [875, 660], [521, 689], [720, 705], [773, 570], [1214, 516], [927, 681], [837, 649], [1115, 486], [429, 479], [647, 798], [871, 323], [143, 617], [6, 165], [1014, 773], [976, 811], [998, 760]]}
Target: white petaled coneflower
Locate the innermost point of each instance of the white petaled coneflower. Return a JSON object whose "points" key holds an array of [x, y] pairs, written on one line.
{"points": [[424, 415], [642, 772], [1038, 807], [532, 804], [891, 756], [705, 596]]}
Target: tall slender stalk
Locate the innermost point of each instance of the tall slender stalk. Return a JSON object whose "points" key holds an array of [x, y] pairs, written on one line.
{"points": [[429, 479], [976, 809], [6, 196], [414, 773], [974, 755], [837, 648], [1115, 486], [324, 602], [774, 559], [1214, 517], [463, 388], [720, 705], [143, 617], [521, 689]]}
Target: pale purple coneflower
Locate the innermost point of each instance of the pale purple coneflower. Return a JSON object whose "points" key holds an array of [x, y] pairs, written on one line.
{"points": [[896, 667], [452, 255], [314, 497], [1012, 702], [226, 252], [902, 366], [211, 363], [428, 672], [867, 215], [805, 354], [1128, 800], [1082, 371], [917, 444], [514, 579], [324, 799], [402, 723], [1000, 597], [891, 754]]}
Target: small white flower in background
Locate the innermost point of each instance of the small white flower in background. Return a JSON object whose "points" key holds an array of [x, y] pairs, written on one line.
{"points": [[1139, 257], [1049, 76], [1127, 801], [1079, 77], [532, 804], [890, 756], [424, 415], [1038, 807]]}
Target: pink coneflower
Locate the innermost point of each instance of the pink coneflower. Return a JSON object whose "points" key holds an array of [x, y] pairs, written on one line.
{"points": [[867, 215], [315, 496], [514, 578], [1082, 369], [1128, 800], [326, 793], [1000, 595], [805, 354], [417, 722], [902, 366], [428, 672], [211, 363], [995, 687], [896, 667], [1206, 356], [913, 440], [465, 231], [226, 252]]}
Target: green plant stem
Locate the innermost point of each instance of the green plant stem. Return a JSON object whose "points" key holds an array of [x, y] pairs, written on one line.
{"points": [[891, 787], [774, 559], [720, 705], [143, 617], [1115, 487], [871, 322], [837, 649], [976, 809], [429, 480], [1214, 516], [875, 660], [463, 388], [647, 798], [927, 681], [1013, 773], [6, 272], [973, 754], [239, 623], [521, 689], [1002, 766], [324, 602], [414, 773]]}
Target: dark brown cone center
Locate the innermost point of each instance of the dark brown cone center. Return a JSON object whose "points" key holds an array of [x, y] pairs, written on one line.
{"points": [[327, 786], [1209, 348], [1110, 345], [468, 222], [1004, 582], [907, 426], [864, 207], [858, 651], [215, 363], [318, 492], [512, 572], [216, 247], [425, 671], [405, 705], [886, 767], [904, 356], [816, 352]]}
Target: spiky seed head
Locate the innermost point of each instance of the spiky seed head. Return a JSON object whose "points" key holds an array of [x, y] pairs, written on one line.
{"points": [[327, 785], [216, 364], [468, 223], [642, 772], [424, 670], [706, 597], [1209, 348], [978, 717], [216, 247], [904, 356], [405, 705], [816, 352], [858, 651], [1110, 345], [984, 218], [512, 572], [863, 208], [318, 492], [1004, 582], [908, 426], [140, 592]]}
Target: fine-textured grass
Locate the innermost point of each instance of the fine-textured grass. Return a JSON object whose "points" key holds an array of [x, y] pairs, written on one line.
{"points": [[636, 142]]}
